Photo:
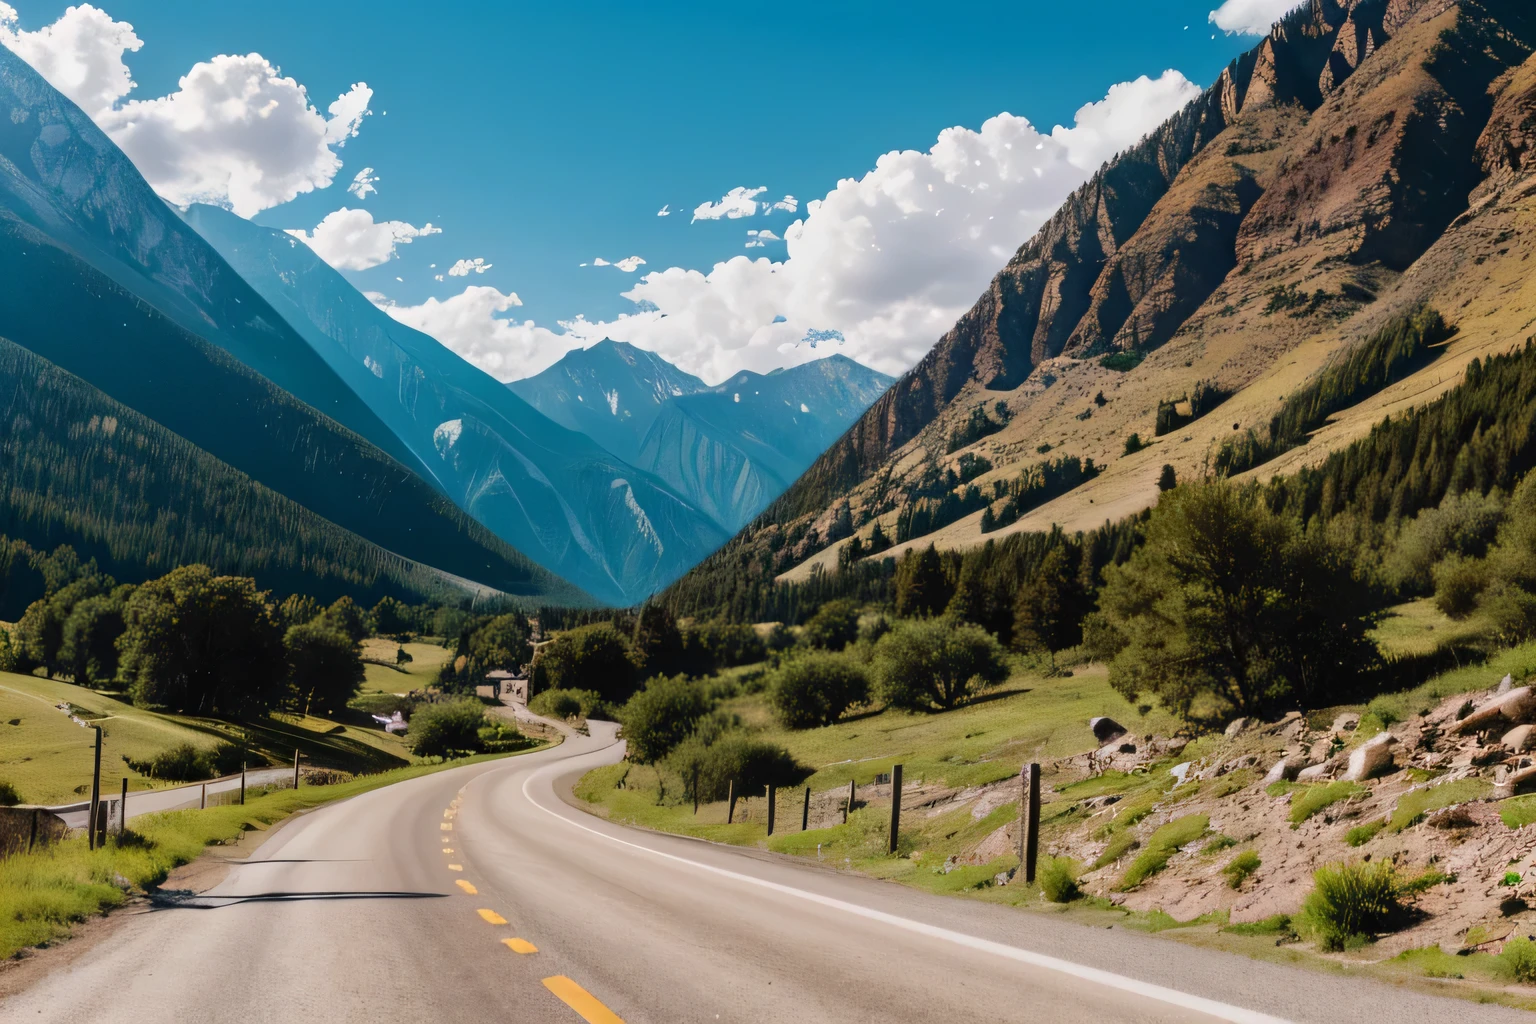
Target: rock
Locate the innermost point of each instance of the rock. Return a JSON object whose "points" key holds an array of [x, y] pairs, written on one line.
{"points": [[1003, 877], [1284, 770], [1510, 784], [1313, 773], [1235, 726], [1347, 722], [1106, 729], [1520, 739], [1179, 771], [1452, 817], [1493, 753], [1100, 802], [1505, 685], [1516, 707], [1372, 758]]}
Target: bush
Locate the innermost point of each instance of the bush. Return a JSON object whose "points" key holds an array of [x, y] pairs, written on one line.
{"points": [[596, 657], [934, 664], [556, 703], [834, 626], [1240, 867], [9, 796], [816, 689], [733, 756], [1362, 834], [1058, 880], [1459, 582], [1351, 903], [447, 729], [1517, 961], [661, 716], [186, 763]]}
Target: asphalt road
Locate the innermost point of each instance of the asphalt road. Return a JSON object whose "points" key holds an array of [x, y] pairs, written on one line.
{"points": [[178, 798], [478, 894]]}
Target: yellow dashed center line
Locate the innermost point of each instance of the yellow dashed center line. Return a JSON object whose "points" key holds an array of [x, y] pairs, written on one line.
{"points": [[490, 916], [465, 886], [520, 946], [583, 1002], [455, 867], [446, 827], [447, 849]]}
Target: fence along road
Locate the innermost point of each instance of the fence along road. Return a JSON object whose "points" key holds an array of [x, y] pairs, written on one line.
{"points": [[176, 798], [479, 894]]}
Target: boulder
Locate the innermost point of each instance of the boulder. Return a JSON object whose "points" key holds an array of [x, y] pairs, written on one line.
{"points": [[1106, 729], [1284, 770], [1235, 726], [1516, 707], [1371, 758], [1180, 771], [1520, 739], [1347, 722], [1505, 685], [1493, 753], [1508, 785]]}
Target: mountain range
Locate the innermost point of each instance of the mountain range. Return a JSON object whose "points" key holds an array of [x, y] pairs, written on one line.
{"points": [[1367, 160], [728, 449], [240, 356]]}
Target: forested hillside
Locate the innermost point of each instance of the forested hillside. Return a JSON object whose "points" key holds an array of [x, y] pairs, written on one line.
{"points": [[81, 469]]}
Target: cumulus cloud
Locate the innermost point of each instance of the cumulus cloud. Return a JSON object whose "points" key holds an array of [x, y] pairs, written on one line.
{"points": [[463, 268], [353, 240], [235, 132], [471, 324], [888, 261], [737, 203], [789, 204], [1250, 17], [628, 264], [764, 235], [665, 211], [364, 183]]}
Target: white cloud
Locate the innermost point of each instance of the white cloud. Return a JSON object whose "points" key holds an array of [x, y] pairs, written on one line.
{"points": [[469, 323], [1250, 17], [353, 240], [789, 204], [463, 268], [665, 211], [628, 264], [364, 183], [234, 133], [737, 203], [765, 236], [891, 260]]}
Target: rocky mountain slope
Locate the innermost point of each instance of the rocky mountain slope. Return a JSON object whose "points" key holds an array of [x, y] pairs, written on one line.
{"points": [[1367, 158], [612, 392], [549, 491]]}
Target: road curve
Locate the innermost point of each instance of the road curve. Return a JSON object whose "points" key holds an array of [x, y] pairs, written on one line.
{"points": [[477, 894]]}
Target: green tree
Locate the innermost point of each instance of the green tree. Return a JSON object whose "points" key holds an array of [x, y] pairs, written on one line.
{"points": [[816, 688], [1134, 444], [1167, 480], [658, 642], [922, 585], [834, 626], [297, 609], [89, 650], [201, 643], [660, 716], [595, 657], [325, 665], [447, 729], [40, 632], [934, 664], [345, 615], [1044, 611], [392, 617], [502, 643], [1229, 600]]}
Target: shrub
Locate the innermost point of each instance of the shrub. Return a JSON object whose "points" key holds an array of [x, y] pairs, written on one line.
{"points": [[1517, 961], [1162, 845], [1459, 582], [816, 689], [9, 796], [834, 626], [732, 756], [1240, 867], [934, 664], [1133, 444], [661, 716], [1313, 799], [446, 729], [596, 657], [570, 704], [1362, 834], [1058, 880], [186, 763], [1350, 903]]}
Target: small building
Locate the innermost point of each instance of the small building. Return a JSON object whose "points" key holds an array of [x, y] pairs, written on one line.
{"points": [[508, 685]]}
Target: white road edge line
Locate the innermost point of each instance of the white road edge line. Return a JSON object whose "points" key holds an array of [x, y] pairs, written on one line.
{"points": [[1173, 997]]}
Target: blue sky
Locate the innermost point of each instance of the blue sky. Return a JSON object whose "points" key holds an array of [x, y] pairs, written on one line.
{"points": [[538, 137]]}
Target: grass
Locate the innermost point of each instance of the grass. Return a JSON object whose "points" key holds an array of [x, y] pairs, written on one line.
{"points": [[1350, 903], [1161, 846], [1519, 661], [1279, 924], [1311, 800], [1413, 806], [42, 894], [382, 675], [1362, 834], [1419, 628], [1518, 812], [1240, 867]]}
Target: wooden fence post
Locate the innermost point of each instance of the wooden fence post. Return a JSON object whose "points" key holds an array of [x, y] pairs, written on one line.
{"points": [[805, 812], [122, 809], [768, 792], [202, 804], [848, 807], [242, 784], [730, 798], [90, 820], [295, 769], [1029, 820], [32, 839], [895, 804], [695, 790]]}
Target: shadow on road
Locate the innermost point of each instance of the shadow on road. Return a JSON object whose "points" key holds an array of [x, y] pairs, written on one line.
{"points": [[202, 901]]}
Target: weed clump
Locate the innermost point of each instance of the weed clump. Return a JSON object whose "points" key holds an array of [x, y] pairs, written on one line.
{"points": [[1517, 961], [1362, 834], [1162, 845], [1351, 903], [1058, 880], [1240, 867]]}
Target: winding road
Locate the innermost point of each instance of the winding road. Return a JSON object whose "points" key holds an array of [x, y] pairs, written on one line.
{"points": [[479, 894]]}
